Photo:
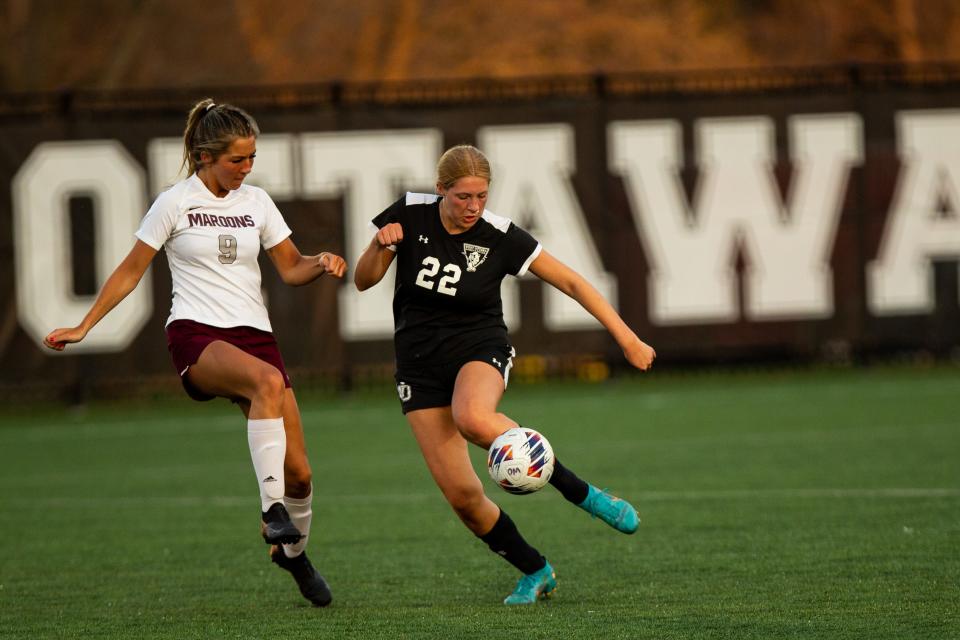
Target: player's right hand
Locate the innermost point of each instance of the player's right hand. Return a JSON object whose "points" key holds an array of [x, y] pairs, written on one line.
{"points": [[390, 234], [639, 354], [60, 338]]}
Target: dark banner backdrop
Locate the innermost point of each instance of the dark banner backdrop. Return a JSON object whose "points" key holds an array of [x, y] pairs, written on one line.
{"points": [[877, 107]]}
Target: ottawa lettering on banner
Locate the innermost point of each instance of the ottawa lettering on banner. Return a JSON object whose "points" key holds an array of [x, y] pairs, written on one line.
{"points": [[687, 242]]}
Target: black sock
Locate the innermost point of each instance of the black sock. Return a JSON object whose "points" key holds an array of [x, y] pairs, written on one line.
{"points": [[573, 488], [506, 541]]}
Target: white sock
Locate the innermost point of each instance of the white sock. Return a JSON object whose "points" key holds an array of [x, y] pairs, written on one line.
{"points": [[268, 446], [301, 514]]}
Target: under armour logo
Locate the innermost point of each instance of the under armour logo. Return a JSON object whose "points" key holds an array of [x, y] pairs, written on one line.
{"points": [[424, 239], [497, 362]]}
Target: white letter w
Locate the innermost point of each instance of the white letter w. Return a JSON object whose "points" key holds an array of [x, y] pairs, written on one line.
{"points": [[691, 250]]}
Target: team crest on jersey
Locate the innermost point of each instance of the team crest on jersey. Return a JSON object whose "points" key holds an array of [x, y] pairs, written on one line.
{"points": [[475, 255]]}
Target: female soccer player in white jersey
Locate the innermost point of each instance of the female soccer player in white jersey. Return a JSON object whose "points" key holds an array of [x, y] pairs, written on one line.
{"points": [[453, 353], [212, 227]]}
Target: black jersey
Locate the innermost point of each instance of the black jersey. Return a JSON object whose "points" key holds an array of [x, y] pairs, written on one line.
{"points": [[446, 299]]}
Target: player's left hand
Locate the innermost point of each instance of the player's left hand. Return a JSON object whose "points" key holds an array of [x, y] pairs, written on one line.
{"points": [[332, 263]]}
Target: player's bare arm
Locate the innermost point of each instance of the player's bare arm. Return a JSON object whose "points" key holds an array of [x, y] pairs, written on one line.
{"points": [[118, 286], [559, 275], [376, 258], [297, 269]]}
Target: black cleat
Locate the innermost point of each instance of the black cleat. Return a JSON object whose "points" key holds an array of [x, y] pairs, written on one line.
{"points": [[312, 585], [276, 527]]}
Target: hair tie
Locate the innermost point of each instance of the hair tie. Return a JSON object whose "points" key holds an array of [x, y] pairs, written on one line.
{"points": [[210, 106]]}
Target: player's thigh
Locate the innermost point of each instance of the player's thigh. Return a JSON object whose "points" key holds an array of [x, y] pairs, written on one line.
{"points": [[478, 388], [225, 370], [445, 452], [476, 394]]}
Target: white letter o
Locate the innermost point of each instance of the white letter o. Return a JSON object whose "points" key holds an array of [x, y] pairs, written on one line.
{"points": [[42, 188]]}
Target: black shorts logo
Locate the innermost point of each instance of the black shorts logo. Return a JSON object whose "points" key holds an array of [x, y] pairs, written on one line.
{"points": [[405, 392]]}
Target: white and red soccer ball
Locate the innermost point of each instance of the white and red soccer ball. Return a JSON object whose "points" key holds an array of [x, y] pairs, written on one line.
{"points": [[520, 460]]}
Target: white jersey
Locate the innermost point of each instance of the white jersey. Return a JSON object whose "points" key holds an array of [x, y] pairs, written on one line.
{"points": [[212, 246]]}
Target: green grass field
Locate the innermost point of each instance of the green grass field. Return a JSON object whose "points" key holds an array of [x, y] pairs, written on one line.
{"points": [[774, 505]]}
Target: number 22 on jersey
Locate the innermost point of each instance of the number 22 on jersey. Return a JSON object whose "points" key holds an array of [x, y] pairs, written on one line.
{"points": [[431, 266]]}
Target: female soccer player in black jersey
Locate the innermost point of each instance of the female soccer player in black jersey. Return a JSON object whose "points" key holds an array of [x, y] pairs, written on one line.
{"points": [[452, 349]]}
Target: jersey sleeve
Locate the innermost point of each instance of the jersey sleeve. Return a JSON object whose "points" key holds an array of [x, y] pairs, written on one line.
{"points": [[275, 229], [523, 249], [159, 222]]}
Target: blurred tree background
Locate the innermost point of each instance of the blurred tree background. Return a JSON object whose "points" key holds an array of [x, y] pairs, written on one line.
{"points": [[114, 44]]}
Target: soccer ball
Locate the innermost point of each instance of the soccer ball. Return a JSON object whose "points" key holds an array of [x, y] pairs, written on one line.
{"points": [[520, 460]]}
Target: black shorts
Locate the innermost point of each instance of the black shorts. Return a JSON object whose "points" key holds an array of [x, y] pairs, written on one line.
{"points": [[426, 386], [187, 339]]}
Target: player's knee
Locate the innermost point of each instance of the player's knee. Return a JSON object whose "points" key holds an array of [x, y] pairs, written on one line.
{"points": [[270, 384], [475, 426]]}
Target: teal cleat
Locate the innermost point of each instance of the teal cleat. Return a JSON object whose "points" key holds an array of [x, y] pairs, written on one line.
{"points": [[616, 512], [532, 586]]}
